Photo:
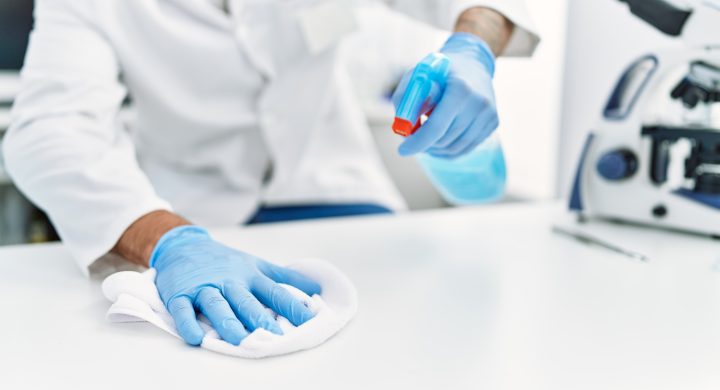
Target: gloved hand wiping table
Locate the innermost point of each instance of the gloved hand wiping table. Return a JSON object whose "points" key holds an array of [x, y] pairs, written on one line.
{"points": [[228, 286], [229, 301]]}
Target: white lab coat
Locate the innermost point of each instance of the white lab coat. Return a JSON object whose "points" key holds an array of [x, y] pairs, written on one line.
{"points": [[232, 111]]}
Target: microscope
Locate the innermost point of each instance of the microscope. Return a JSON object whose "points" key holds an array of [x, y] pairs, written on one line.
{"points": [[654, 158]]}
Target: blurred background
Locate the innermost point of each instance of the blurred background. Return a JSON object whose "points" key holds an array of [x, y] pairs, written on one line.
{"points": [[546, 103]]}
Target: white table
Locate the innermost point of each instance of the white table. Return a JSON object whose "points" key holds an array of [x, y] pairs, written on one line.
{"points": [[478, 298]]}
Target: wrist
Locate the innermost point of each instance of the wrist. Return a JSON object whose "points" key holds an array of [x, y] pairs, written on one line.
{"points": [[140, 238], [487, 24], [179, 234], [472, 45]]}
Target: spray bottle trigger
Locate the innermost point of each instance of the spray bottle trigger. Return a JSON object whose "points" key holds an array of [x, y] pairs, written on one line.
{"points": [[406, 128]]}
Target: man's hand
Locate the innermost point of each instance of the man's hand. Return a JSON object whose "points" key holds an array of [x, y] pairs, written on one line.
{"points": [[228, 286], [466, 114]]}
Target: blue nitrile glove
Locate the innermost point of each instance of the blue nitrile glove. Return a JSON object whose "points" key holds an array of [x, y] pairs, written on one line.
{"points": [[465, 115], [229, 287]]}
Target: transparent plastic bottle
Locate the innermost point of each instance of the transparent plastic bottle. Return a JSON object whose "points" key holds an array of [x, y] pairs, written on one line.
{"points": [[478, 177]]}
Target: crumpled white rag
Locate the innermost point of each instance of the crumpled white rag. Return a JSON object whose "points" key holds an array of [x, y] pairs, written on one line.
{"points": [[135, 299]]}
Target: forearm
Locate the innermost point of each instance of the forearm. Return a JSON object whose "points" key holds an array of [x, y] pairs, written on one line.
{"points": [[138, 241], [494, 28]]}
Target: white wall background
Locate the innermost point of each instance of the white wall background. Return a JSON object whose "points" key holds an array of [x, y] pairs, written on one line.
{"points": [[529, 93], [603, 39]]}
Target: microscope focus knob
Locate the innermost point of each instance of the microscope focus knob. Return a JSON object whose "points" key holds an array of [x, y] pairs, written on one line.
{"points": [[617, 165]]}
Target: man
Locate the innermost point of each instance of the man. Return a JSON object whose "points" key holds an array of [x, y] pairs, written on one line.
{"points": [[243, 114]]}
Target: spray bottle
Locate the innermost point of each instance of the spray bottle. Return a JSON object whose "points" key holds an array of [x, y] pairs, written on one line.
{"points": [[478, 177]]}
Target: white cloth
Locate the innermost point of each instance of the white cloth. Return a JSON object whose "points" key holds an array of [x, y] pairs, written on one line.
{"points": [[232, 111], [135, 298]]}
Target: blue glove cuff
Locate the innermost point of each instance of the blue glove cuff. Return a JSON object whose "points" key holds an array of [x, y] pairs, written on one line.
{"points": [[470, 43], [173, 235]]}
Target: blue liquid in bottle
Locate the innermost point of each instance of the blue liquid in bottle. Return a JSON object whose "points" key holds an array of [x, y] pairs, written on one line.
{"points": [[478, 177]]}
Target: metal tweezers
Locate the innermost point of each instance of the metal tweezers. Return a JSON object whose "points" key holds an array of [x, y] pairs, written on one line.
{"points": [[591, 240]]}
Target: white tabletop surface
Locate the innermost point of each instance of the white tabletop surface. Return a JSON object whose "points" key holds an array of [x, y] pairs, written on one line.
{"points": [[477, 298]]}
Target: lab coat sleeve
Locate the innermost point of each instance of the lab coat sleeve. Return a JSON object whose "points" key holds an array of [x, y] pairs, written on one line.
{"points": [[64, 149], [445, 13]]}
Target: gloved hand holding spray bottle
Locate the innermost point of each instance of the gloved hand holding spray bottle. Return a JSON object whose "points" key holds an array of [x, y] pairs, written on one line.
{"points": [[453, 90]]}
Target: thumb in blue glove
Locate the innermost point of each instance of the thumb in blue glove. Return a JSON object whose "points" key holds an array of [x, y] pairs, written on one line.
{"points": [[231, 288], [466, 114]]}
